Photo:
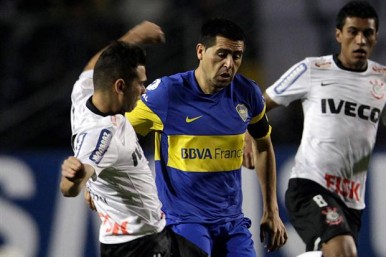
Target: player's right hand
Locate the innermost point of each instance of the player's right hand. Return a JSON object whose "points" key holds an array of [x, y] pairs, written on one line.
{"points": [[73, 169]]}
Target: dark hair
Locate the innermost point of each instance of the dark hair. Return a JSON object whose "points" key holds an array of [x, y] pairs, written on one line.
{"points": [[220, 27], [118, 60], [360, 9]]}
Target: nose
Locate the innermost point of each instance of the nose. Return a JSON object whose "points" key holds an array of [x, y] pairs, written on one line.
{"points": [[360, 39], [228, 61]]}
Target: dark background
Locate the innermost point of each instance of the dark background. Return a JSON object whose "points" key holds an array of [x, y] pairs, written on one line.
{"points": [[46, 43]]}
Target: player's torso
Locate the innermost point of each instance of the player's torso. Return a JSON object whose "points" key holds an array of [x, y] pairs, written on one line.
{"points": [[339, 100], [124, 191], [342, 110], [206, 132]]}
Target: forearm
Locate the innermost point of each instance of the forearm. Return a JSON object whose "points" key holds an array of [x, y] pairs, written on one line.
{"points": [[265, 164], [70, 188], [143, 33]]}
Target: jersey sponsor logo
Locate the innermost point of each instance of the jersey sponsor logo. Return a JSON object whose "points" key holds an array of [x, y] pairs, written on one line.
{"points": [[380, 69], [189, 120], [111, 227], [195, 153], [323, 64], [332, 216], [288, 80], [96, 197], [242, 110], [377, 89], [351, 109], [348, 189], [209, 153], [102, 146]]}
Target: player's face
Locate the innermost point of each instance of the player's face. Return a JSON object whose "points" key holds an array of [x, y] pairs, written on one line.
{"points": [[357, 39], [219, 63], [135, 89]]}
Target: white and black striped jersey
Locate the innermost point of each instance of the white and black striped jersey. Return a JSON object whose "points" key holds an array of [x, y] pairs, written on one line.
{"points": [[342, 110], [123, 186]]}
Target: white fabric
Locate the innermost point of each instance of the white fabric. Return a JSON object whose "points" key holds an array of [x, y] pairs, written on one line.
{"points": [[342, 111], [311, 254], [123, 188]]}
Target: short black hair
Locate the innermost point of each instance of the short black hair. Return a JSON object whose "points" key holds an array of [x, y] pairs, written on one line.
{"points": [[220, 27], [118, 60], [360, 9]]}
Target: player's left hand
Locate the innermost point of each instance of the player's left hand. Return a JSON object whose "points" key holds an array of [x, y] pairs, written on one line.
{"points": [[272, 232], [89, 201]]}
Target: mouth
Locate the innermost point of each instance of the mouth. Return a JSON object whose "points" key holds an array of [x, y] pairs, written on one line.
{"points": [[360, 53], [225, 76]]}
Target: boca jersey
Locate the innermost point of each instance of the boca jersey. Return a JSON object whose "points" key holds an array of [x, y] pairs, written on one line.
{"points": [[342, 109], [123, 187], [199, 144]]}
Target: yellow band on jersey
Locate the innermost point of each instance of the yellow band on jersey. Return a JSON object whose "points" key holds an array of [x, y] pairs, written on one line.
{"points": [[205, 153], [143, 119], [258, 117]]}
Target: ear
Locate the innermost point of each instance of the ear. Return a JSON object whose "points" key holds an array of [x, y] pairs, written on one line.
{"points": [[200, 49], [338, 35], [119, 86]]}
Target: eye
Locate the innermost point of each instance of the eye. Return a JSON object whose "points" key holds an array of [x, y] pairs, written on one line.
{"points": [[237, 56], [368, 33], [222, 54], [352, 32]]}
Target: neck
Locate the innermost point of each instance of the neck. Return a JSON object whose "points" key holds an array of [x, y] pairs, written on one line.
{"points": [[198, 74]]}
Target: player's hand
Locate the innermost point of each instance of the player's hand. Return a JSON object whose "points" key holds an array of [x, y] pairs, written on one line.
{"points": [[89, 200], [145, 33], [73, 170], [272, 232], [248, 157]]}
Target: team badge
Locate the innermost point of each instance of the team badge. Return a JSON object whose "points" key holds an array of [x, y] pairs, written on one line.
{"points": [[153, 85], [332, 216], [377, 89], [242, 110]]}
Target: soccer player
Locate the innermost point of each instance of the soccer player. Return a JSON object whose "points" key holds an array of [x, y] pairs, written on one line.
{"points": [[343, 96], [200, 118], [108, 158]]}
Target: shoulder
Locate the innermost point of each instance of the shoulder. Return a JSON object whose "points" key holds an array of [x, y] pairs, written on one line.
{"points": [[321, 62], [245, 87], [377, 67], [178, 78], [242, 81]]}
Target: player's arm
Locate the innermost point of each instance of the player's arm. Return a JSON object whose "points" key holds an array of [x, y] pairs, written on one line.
{"points": [[248, 158], [272, 229], [143, 33], [74, 176], [269, 103]]}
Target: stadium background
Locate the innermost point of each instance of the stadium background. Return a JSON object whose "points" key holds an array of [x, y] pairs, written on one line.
{"points": [[44, 46]]}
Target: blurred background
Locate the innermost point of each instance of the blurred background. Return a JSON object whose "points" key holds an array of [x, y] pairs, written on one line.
{"points": [[46, 43]]}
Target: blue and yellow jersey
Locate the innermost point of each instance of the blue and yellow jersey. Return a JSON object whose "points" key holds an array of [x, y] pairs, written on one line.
{"points": [[199, 144]]}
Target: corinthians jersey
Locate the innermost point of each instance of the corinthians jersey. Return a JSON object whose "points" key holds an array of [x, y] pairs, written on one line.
{"points": [[199, 144], [342, 110], [123, 186]]}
